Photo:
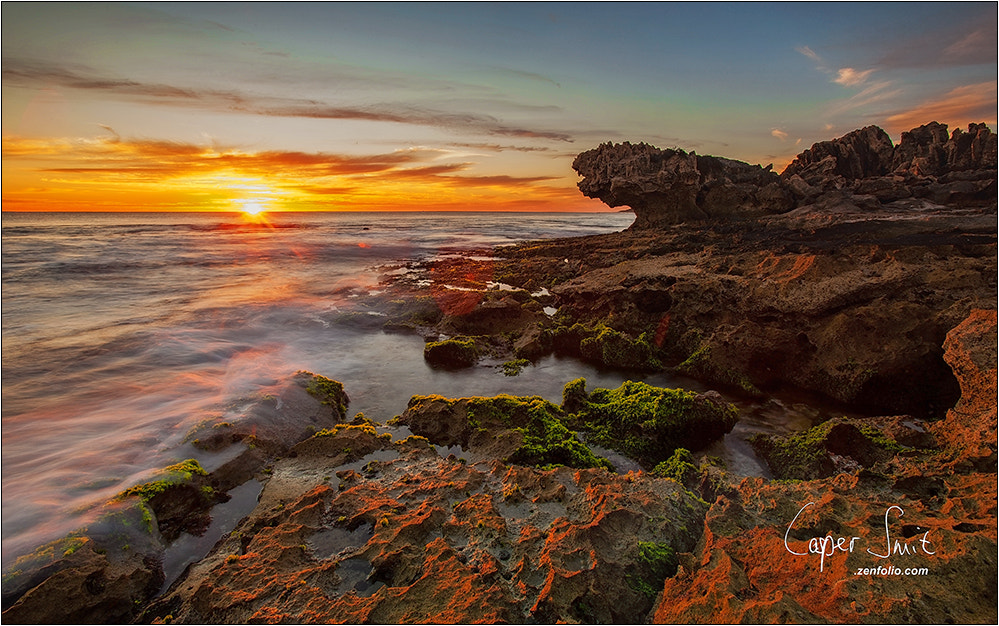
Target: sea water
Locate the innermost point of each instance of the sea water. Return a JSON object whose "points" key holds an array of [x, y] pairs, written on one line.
{"points": [[122, 331]]}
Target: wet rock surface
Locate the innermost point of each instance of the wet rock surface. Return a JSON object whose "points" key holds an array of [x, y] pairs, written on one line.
{"points": [[108, 571], [410, 536], [852, 305]]}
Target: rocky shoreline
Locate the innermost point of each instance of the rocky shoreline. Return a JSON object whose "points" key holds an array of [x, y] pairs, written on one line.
{"points": [[865, 274]]}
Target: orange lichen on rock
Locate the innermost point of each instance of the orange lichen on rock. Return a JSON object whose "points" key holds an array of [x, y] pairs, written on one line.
{"points": [[889, 545], [970, 428]]}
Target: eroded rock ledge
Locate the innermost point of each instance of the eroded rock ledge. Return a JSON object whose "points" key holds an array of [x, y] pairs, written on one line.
{"points": [[672, 186]]}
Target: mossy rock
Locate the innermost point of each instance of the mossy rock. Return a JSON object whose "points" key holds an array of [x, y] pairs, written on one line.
{"points": [[648, 423], [329, 392], [515, 367], [451, 353], [835, 446], [179, 499], [604, 345], [680, 467], [702, 365], [531, 430], [655, 563]]}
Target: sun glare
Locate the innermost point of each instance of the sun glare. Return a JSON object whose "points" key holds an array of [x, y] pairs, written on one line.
{"points": [[252, 207]]}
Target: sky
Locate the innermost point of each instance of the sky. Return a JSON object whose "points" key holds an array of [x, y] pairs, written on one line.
{"points": [[451, 106]]}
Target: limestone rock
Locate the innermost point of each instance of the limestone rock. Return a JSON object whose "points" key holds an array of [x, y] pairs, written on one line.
{"points": [[863, 153], [666, 187], [969, 429], [411, 537], [672, 186], [928, 151]]}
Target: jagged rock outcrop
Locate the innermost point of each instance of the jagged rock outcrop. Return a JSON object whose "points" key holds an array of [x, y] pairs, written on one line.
{"points": [[929, 151], [672, 186], [862, 168], [959, 169], [969, 430], [860, 154]]}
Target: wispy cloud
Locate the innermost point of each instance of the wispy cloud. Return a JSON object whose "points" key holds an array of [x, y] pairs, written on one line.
{"points": [[779, 134], [958, 107], [532, 76], [956, 45], [849, 77], [19, 72], [808, 52], [978, 46], [874, 93], [845, 76], [493, 147]]}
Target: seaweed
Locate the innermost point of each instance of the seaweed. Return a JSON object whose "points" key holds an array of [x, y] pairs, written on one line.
{"points": [[515, 367], [680, 467], [807, 455]]}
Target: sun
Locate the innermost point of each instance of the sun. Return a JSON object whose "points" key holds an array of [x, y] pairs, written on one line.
{"points": [[252, 206]]}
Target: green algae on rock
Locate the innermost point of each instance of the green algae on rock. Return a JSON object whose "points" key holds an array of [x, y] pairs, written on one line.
{"points": [[328, 392], [106, 572], [451, 353], [656, 562], [837, 445], [522, 430], [599, 343], [515, 367], [648, 423], [179, 499], [680, 467]]}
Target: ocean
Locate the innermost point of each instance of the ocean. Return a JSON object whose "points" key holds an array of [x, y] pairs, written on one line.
{"points": [[122, 331]]}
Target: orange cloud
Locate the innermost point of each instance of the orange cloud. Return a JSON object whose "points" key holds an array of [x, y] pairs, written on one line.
{"points": [[958, 107], [112, 173]]}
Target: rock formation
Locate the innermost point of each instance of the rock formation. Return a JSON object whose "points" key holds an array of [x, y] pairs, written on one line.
{"points": [[107, 572], [670, 186]]}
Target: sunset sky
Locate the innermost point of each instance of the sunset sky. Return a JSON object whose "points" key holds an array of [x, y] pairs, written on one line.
{"points": [[451, 106]]}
